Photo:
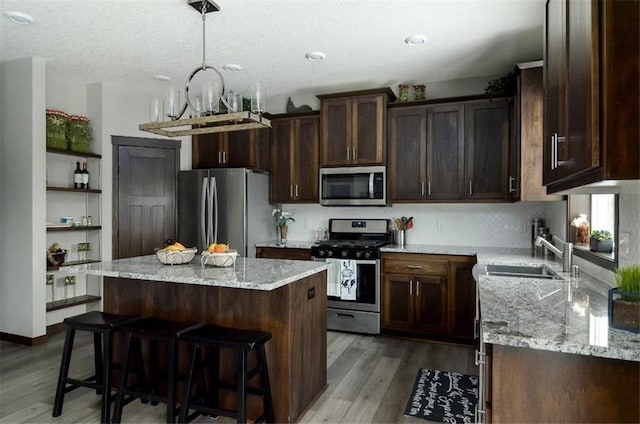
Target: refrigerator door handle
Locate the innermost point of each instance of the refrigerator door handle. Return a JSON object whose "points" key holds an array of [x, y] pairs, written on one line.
{"points": [[203, 210], [214, 206]]}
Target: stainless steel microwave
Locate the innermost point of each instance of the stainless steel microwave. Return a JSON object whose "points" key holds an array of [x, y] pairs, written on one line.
{"points": [[353, 186]]}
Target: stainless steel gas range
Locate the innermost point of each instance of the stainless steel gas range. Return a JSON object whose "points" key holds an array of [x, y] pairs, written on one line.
{"points": [[353, 279]]}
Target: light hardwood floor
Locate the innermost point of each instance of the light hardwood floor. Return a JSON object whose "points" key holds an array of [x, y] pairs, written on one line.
{"points": [[369, 381]]}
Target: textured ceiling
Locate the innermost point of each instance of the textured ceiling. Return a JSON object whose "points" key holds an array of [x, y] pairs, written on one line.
{"points": [[130, 41]]}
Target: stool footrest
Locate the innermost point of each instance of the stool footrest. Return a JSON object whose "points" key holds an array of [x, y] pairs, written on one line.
{"points": [[74, 383], [204, 409]]}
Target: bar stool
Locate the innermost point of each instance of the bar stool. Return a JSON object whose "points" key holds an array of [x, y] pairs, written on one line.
{"points": [[102, 325], [154, 330], [241, 341]]}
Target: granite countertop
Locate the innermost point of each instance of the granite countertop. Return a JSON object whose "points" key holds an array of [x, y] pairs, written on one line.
{"points": [[569, 315], [291, 244], [248, 273]]}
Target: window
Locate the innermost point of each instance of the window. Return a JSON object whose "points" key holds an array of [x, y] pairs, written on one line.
{"points": [[601, 211]]}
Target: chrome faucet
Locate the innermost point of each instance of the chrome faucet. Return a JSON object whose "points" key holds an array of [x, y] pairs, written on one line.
{"points": [[566, 254]]}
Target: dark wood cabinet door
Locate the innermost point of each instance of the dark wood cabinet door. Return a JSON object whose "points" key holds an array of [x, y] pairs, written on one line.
{"points": [[336, 132], [368, 130], [430, 297], [445, 152], [307, 145], [206, 150], [583, 137], [462, 297], [407, 153], [397, 302], [487, 155], [281, 184], [240, 151]]}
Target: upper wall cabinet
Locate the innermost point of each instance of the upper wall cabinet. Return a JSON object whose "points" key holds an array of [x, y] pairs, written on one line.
{"points": [[450, 151], [354, 127], [235, 149], [294, 169], [592, 102]]}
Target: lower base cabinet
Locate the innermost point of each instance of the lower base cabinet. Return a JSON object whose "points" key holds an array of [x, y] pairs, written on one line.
{"points": [[428, 295], [283, 253], [525, 385]]}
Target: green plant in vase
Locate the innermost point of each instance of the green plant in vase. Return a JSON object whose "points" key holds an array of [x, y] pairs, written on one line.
{"points": [[601, 241], [624, 300]]}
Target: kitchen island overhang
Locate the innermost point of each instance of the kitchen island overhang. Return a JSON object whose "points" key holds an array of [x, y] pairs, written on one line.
{"points": [[287, 298]]}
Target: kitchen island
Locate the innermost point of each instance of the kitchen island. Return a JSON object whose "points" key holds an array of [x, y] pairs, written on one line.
{"points": [[286, 298]]}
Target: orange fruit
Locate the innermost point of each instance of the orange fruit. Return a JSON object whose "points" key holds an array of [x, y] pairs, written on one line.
{"points": [[220, 248]]}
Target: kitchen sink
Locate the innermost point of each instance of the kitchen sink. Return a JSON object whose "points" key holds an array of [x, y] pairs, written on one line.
{"points": [[538, 271]]}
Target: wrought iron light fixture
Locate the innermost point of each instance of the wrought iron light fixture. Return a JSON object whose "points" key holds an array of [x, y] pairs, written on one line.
{"points": [[210, 123]]}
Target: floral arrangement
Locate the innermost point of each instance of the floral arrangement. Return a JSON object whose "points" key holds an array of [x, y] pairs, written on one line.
{"points": [[282, 217]]}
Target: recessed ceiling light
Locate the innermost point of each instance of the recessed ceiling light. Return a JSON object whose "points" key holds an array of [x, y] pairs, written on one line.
{"points": [[162, 78], [415, 40], [20, 18], [232, 67], [314, 56]]}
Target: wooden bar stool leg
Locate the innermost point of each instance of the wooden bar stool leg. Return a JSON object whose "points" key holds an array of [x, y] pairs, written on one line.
{"points": [[184, 409], [106, 378], [117, 411], [267, 399], [64, 371], [171, 390], [97, 360], [242, 386]]}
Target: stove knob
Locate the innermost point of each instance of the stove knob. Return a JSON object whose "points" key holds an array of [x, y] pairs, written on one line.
{"points": [[330, 253], [367, 254], [358, 254], [321, 253], [343, 253]]}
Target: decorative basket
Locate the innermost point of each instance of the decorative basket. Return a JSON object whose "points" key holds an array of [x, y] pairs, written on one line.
{"points": [[57, 258], [57, 129], [220, 259], [176, 257], [79, 133]]}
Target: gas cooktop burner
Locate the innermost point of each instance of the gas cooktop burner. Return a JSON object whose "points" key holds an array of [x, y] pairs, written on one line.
{"points": [[371, 244]]}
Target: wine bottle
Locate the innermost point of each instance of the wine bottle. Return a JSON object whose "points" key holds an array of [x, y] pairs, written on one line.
{"points": [[85, 176], [77, 176]]}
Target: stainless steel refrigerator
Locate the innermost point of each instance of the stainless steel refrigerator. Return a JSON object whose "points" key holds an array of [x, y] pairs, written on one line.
{"points": [[229, 205]]}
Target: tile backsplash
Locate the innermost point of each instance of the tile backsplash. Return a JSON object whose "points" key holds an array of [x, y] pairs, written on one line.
{"points": [[490, 225]]}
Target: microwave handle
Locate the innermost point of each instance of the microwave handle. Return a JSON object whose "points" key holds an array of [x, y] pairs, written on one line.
{"points": [[371, 178]]}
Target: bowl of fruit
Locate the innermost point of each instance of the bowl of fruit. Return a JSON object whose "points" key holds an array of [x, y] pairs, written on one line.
{"points": [[219, 255], [175, 253]]}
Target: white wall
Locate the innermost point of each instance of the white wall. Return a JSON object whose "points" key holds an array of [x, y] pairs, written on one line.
{"points": [[489, 224], [22, 275]]}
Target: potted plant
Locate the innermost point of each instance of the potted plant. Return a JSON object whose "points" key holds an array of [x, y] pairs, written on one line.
{"points": [[282, 218], [601, 241], [624, 299]]}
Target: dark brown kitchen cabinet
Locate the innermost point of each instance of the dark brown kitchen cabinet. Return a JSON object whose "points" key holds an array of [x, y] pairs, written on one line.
{"points": [[487, 149], [407, 153], [450, 151], [235, 149], [592, 98], [294, 153], [414, 293], [462, 297], [428, 295], [283, 253], [354, 128], [525, 174], [445, 152]]}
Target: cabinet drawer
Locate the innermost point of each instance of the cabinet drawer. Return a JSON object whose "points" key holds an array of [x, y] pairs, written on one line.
{"points": [[414, 264]]}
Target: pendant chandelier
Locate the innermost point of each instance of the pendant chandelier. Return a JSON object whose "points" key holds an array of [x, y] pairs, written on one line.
{"points": [[207, 120]]}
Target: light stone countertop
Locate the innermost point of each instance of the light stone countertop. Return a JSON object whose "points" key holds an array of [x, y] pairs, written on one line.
{"points": [[248, 273], [568, 315], [291, 244]]}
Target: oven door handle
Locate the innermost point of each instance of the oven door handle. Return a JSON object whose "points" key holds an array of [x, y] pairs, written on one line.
{"points": [[344, 316]]}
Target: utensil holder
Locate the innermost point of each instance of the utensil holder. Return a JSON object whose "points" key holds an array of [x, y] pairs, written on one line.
{"points": [[399, 237]]}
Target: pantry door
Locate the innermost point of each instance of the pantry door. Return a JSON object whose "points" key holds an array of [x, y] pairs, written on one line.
{"points": [[145, 176]]}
